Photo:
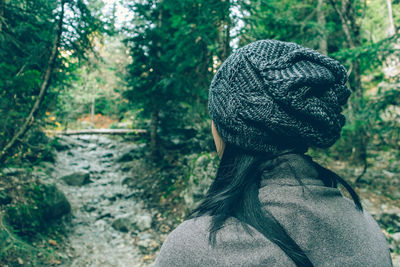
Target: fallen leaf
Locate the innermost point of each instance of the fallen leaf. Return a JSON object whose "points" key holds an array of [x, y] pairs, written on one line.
{"points": [[53, 242]]}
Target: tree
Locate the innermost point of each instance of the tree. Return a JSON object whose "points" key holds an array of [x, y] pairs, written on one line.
{"points": [[391, 28], [323, 41], [45, 83], [30, 62], [173, 45]]}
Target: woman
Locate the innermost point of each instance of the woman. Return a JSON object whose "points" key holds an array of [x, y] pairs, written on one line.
{"points": [[271, 205]]}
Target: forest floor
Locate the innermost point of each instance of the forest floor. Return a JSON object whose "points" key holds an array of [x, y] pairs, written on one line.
{"points": [[121, 213]]}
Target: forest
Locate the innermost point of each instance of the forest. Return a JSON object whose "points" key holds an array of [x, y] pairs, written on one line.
{"points": [[105, 135]]}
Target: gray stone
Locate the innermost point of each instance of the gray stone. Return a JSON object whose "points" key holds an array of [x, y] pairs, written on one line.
{"points": [[396, 238], [86, 167], [77, 178], [47, 166], [14, 171], [92, 147], [133, 222], [127, 166], [396, 261], [61, 145], [111, 196], [57, 203], [4, 198], [145, 243], [107, 155], [132, 152], [122, 224], [143, 222], [129, 182], [202, 172], [125, 157]]}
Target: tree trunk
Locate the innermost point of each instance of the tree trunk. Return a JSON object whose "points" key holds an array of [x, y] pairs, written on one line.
{"points": [[351, 28], [225, 34], [391, 29], [154, 147], [343, 20], [2, 7], [227, 39], [92, 110], [153, 133], [323, 43], [43, 88]]}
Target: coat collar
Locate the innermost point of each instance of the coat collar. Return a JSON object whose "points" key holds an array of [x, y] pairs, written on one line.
{"points": [[288, 169]]}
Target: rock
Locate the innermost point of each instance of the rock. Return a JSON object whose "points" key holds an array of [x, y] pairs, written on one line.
{"points": [[84, 138], [122, 224], [143, 222], [111, 146], [175, 142], [145, 243], [14, 171], [46, 203], [125, 157], [89, 208], [129, 182], [77, 178], [127, 166], [396, 238], [396, 194], [367, 204], [132, 222], [202, 172], [4, 198], [48, 157], [108, 155], [132, 152], [57, 203], [47, 165], [92, 147], [86, 167], [111, 196], [396, 261], [61, 145], [104, 215]]}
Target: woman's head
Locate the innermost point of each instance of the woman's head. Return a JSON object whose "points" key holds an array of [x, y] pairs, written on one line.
{"points": [[272, 95]]}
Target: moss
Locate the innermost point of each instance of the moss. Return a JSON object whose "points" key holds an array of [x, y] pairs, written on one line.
{"points": [[15, 251], [42, 205]]}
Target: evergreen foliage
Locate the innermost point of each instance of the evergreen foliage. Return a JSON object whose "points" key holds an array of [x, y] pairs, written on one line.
{"points": [[28, 28]]}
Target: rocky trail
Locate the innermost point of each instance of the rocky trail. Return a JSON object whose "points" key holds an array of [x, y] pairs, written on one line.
{"points": [[111, 225], [108, 225]]}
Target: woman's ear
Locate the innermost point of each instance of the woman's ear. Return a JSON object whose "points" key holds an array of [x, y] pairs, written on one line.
{"points": [[219, 143]]}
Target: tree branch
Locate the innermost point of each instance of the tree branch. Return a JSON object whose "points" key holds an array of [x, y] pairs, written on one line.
{"points": [[345, 26], [43, 88]]}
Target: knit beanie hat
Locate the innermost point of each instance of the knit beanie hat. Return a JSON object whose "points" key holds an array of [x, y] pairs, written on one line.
{"points": [[270, 95]]}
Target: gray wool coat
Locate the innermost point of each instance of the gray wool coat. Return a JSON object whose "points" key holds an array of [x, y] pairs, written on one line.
{"points": [[323, 223]]}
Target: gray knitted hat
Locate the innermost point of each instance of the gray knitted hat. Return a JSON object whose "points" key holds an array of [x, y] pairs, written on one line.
{"points": [[272, 95]]}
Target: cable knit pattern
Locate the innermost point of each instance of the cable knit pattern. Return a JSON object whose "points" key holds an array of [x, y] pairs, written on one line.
{"points": [[270, 95]]}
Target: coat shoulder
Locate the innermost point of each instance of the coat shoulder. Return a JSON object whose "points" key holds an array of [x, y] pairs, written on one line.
{"points": [[186, 245]]}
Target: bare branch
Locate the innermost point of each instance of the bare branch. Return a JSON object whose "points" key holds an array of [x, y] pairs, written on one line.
{"points": [[43, 88], [345, 26]]}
